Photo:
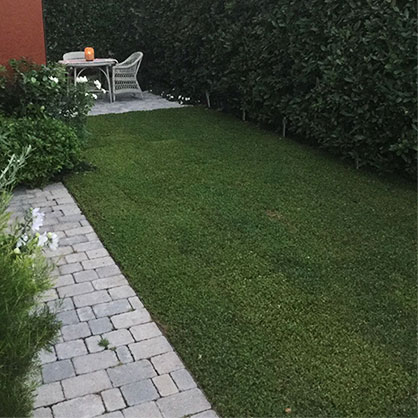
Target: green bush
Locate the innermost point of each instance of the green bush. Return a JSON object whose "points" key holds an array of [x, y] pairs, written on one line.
{"points": [[342, 74], [25, 327], [55, 147], [39, 91]]}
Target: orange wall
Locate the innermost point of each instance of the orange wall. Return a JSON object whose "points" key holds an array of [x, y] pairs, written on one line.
{"points": [[22, 30]]}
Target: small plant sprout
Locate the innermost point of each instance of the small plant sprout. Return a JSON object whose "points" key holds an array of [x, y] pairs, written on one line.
{"points": [[104, 342]]}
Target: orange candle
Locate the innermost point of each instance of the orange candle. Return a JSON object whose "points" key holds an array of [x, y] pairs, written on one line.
{"points": [[89, 54]]}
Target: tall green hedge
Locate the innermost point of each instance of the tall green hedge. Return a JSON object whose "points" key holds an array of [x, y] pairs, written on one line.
{"points": [[339, 73]]}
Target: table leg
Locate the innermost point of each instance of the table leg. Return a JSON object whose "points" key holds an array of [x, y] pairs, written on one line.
{"points": [[109, 85]]}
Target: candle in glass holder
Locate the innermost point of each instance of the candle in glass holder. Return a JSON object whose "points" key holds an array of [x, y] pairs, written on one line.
{"points": [[89, 54]]}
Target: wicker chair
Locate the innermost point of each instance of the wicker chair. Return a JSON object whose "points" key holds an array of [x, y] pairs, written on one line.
{"points": [[124, 75]]}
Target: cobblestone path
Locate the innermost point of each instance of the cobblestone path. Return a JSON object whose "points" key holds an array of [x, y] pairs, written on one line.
{"points": [[139, 374]]}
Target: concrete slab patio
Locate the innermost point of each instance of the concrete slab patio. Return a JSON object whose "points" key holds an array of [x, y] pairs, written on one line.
{"points": [[128, 103], [138, 374]]}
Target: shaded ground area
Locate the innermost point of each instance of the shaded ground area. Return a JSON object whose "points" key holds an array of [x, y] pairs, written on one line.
{"points": [[283, 277]]}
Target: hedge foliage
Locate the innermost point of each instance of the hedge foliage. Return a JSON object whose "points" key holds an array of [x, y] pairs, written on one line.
{"points": [[341, 74]]}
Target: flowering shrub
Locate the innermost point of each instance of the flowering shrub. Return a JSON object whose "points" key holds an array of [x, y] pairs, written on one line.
{"points": [[25, 326], [55, 147], [38, 91]]}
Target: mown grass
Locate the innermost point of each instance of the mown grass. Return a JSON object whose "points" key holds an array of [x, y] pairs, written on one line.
{"points": [[284, 278]]}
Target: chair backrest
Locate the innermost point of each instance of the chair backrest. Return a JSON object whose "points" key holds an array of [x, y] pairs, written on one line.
{"points": [[75, 55], [133, 59]]}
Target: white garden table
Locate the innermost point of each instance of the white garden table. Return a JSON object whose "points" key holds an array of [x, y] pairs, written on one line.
{"points": [[102, 64]]}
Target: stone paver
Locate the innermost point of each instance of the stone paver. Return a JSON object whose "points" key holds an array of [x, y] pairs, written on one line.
{"points": [[138, 374]]}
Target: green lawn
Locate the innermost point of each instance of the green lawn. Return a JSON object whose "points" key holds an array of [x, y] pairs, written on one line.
{"points": [[283, 277]]}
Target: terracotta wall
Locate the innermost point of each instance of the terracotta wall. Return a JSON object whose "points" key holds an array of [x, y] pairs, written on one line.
{"points": [[22, 30]]}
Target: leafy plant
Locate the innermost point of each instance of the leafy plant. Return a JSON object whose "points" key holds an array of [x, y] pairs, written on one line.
{"points": [[25, 326], [104, 342], [55, 147], [39, 91]]}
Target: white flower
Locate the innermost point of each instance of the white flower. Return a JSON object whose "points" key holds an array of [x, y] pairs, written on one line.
{"points": [[54, 79], [86, 94], [22, 241], [94, 96], [17, 250], [103, 91], [81, 79], [42, 239], [98, 84], [53, 244], [37, 219]]}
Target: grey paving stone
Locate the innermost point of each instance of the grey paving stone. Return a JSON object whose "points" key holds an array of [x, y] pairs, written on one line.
{"points": [[115, 414], [100, 326], [149, 348], [71, 349], [139, 392], [113, 400], [132, 372], [68, 317], [93, 344], [167, 363], [57, 370], [183, 403], [92, 236], [86, 246], [62, 226], [121, 292], [72, 218], [144, 410], [124, 355], [85, 407], [93, 298], [68, 209], [73, 258], [42, 413], [135, 302], [65, 280], [73, 240], [145, 331], [92, 362], [97, 253], [74, 332], [48, 394], [97, 263], [85, 314], [129, 319], [108, 271], [46, 356], [86, 384], [112, 308], [165, 385], [61, 305], [81, 230], [75, 289], [183, 379], [70, 268], [64, 200], [206, 414], [85, 276], [119, 337], [109, 282]]}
